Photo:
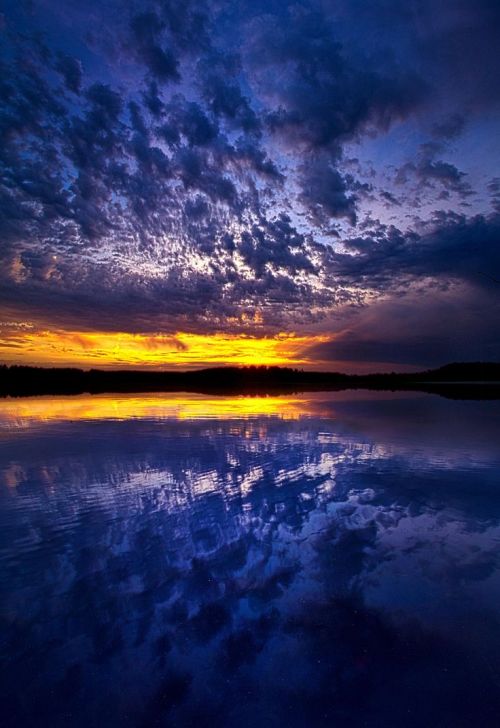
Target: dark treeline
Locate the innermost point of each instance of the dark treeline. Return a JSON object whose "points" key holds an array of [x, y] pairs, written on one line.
{"points": [[475, 380]]}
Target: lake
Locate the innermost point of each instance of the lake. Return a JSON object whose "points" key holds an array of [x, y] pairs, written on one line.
{"points": [[326, 559]]}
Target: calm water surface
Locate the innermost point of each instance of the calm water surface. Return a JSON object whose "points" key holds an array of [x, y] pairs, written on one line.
{"points": [[309, 560]]}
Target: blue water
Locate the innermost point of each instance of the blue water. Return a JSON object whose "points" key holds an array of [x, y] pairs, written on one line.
{"points": [[319, 560]]}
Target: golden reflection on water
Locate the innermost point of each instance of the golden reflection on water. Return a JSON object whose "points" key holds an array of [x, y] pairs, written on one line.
{"points": [[23, 412]]}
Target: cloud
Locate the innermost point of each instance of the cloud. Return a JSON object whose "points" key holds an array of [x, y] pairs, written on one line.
{"points": [[449, 127], [146, 29], [186, 165], [454, 46], [430, 171], [452, 247], [325, 193], [71, 70], [431, 298], [423, 328], [321, 96], [222, 93]]}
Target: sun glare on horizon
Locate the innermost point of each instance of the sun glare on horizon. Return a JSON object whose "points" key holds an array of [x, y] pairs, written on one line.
{"points": [[179, 350]]}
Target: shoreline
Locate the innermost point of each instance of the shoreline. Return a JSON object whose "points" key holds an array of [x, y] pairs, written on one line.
{"points": [[477, 380]]}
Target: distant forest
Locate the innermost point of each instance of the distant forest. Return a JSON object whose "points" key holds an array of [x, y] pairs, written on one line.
{"points": [[477, 380]]}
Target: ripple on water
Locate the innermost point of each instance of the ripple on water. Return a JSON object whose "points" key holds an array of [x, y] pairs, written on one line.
{"points": [[327, 564]]}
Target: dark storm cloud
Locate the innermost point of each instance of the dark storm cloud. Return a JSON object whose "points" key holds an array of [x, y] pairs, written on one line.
{"points": [[189, 119], [146, 29], [455, 247], [222, 93], [449, 127], [325, 192], [71, 70], [175, 164], [455, 44], [430, 171], [438, 299], [426, 328], [389, 198], [152, 99], [463, 43], [323, 96], [276, 243], [494, 190]]}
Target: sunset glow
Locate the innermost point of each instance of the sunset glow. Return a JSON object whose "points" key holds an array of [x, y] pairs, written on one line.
{"points": [[195, 184], [181, 350]]}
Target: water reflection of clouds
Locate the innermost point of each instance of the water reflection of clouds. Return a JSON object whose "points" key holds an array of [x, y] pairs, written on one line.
{"points": [[159, 563]]}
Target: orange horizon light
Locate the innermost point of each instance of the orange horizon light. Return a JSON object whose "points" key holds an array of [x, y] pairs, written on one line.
{"points": [[180, 350]]}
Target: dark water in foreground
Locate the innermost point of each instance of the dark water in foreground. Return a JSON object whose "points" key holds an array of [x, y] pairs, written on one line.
{"points": [[319, 560]]}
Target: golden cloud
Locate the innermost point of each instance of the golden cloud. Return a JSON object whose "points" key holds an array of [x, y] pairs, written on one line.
{"points": [[47, 347]]}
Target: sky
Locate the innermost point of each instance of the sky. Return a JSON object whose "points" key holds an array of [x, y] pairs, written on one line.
{"points": [[313, 184]]}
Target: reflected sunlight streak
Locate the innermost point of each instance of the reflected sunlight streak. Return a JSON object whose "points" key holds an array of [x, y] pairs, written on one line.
{"points": [[21, 413]]}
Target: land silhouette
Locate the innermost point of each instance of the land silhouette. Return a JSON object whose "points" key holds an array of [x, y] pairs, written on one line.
{"points": [[472, 380]]}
